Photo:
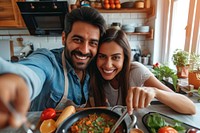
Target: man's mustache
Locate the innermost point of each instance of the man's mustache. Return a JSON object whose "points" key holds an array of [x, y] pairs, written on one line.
{"points": [[81, 54]]}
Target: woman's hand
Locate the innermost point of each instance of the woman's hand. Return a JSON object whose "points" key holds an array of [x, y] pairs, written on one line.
{"points": [[139, 97]]}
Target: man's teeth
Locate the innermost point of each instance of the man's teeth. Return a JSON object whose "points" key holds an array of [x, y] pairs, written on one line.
{"points": [[81, 57], [106, 71]]}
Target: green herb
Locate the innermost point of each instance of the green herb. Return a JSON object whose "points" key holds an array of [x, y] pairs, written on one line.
{"points": [[199, 90], [163, 72], [156, 121]]}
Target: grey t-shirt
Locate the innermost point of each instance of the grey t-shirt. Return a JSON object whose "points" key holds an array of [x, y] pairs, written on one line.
{"points": [[138, 75]]}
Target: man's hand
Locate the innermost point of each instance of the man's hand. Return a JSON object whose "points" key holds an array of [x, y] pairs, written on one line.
{"points": [[14, 91], [139, 97]]}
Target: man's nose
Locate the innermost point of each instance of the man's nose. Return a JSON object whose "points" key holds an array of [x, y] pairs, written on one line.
{"points": [[84, 48]]}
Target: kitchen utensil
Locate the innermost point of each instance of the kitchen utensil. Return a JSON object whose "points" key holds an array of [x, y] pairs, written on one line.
{"points": [[27, 126], [134, 121], [65, 126], [123, 116], [116, 25]]}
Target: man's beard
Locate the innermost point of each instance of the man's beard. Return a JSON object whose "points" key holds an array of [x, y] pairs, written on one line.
{"points": [[77, 65]]}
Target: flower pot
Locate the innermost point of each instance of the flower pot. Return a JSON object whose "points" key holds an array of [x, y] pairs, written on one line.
{"points": [[182, 71], [194, 79]]}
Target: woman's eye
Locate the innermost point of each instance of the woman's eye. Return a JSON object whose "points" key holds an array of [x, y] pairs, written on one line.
{"points": [[116, 57]]}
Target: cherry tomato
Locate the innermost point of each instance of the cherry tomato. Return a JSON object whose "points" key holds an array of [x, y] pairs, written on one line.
{"points": [[192, 130], [167, 129], [48, 113]]}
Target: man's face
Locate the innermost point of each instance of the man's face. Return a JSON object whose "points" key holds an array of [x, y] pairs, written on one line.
{"points": [[81, 44]]}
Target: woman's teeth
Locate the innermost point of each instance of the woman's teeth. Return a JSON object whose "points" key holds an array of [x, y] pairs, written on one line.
{"points": [[106, 71]]}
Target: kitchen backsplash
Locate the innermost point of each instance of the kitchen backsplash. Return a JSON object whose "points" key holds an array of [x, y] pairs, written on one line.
{"points": [[136, 41]]}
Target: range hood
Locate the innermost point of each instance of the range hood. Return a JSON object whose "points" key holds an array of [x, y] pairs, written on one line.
{"points": [[44, 18]]}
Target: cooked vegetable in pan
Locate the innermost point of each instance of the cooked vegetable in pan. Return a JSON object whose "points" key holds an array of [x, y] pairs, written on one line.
{"points": [[95, 123]]}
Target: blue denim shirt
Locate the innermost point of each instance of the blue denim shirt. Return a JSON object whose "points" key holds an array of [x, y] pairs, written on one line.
{"points": [[45, 78]]}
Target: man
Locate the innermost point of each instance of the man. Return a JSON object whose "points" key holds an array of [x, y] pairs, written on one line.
{"points": [[53, 78]]}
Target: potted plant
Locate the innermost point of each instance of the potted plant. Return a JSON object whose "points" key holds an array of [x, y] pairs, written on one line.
{"points": [[164, 73], [181, 60], [194, 70]]}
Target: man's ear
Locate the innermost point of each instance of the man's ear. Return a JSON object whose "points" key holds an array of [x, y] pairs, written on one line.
{"points": [[63, 38]]}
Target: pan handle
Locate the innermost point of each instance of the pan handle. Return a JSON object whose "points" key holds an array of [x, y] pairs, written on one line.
{"points": [[133, 117], [118, 106], [134, 121]]}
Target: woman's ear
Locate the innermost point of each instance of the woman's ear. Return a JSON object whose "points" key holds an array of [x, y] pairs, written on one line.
{"points": [[63, 38]]}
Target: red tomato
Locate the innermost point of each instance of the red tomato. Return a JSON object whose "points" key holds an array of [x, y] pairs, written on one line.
{"points": [[48, 113], [167, 129]]}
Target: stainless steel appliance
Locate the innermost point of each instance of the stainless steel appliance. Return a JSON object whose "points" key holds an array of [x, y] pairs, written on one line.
{"points": [[44, 17]]}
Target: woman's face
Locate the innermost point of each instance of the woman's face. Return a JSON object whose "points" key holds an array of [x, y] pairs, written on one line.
{"points": [[110, 60]]}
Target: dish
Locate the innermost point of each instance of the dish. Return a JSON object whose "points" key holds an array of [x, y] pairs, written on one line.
{"points": [[128, 28], [65, 126], [142, 29], [170, 121], [128, 4], [139, 4]]}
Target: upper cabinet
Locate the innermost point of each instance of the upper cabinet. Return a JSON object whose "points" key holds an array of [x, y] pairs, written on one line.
{"points": [[10, 16]]}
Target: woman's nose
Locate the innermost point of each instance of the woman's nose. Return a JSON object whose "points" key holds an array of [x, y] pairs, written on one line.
{"points": [[108, 63]]}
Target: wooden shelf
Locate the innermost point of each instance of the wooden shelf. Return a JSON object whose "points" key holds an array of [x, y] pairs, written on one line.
{"points": [[138, 33], [148, 35], [126, 10]]}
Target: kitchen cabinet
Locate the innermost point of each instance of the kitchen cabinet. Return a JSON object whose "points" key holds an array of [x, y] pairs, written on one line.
{"points": [[10, 16]]}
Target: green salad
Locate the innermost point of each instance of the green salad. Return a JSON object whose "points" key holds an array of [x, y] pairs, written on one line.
{"points": [[156, 121]]}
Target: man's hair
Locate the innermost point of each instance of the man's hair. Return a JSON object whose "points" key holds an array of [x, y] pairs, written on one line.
{"points": [[85, 14]]}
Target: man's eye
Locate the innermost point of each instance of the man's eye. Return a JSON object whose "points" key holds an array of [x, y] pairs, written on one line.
{"points": [[101, 56], [77, 40], [94, 43]]}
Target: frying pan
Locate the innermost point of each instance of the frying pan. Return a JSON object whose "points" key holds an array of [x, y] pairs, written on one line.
{"points": [[65, 126]]}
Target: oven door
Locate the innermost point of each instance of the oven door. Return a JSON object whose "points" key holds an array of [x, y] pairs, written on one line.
{"points": [[44, 24], [44, 18]]}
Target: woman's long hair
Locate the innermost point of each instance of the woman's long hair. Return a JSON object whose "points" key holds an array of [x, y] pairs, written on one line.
{"points": [[97, 82]]}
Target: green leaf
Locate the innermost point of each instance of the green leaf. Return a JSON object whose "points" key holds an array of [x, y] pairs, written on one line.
{"points": [[199, 90]]}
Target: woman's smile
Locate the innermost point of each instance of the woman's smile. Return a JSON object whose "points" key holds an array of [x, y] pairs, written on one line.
{"points": [[110, 62]]}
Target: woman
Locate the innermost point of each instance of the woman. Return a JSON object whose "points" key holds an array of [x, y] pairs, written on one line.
{"points": [[117, 80]]}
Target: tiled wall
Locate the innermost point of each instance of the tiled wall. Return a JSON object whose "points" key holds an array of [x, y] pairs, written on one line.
{"points": [[54, 42]]}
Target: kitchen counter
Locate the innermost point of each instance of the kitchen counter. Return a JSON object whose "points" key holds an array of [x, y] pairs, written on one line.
{"points": [[192, 120]]}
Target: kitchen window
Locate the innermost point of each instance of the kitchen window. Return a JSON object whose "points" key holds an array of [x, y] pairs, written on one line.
{"points": [[182, 26]]}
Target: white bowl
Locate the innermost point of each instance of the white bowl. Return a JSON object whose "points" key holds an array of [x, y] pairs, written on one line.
{"points": [[142, 29], [128, 28]]}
